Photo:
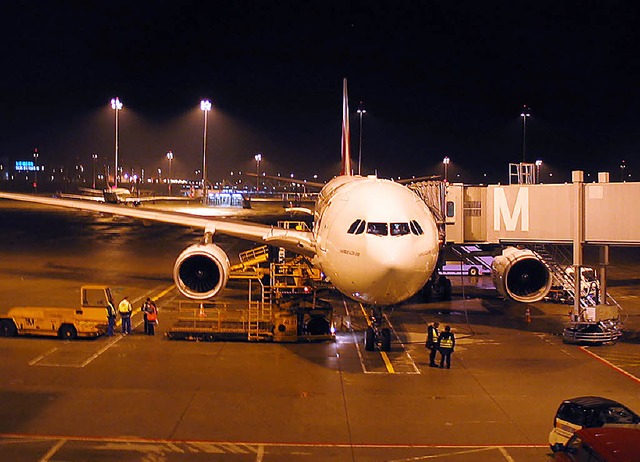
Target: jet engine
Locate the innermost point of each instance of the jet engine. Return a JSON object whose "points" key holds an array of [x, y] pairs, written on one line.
{"points": [[201, 271], [520, 274]]}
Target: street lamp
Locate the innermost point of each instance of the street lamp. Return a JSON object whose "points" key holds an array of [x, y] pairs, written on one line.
{"points": [[116, 105], [524, 114], [446, 162], [623, 166], [258, 158], [538, 165], [93, 171], [35, 170], [205, 106], [170, 158], [361, 111]]}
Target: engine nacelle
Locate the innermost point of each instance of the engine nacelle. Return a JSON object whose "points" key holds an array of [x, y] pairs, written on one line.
{"points": [[201, 271], [519, 274]]}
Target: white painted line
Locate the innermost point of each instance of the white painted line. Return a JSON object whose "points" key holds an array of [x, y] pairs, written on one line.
{"points": [[260, 453], [413, 363], [42, 356], [51, 452]]}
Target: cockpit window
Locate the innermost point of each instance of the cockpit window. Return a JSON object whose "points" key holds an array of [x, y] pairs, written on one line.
{"points": [[415, 228], [399, 229], [360, 229], [378, 229], [354, 226]]}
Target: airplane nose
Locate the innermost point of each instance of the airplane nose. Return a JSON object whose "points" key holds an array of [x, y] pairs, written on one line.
{"points": [[394, 275]]}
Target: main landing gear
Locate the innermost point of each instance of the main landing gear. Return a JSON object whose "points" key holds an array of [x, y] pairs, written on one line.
{"points": [[438, 287], [376, 335]]}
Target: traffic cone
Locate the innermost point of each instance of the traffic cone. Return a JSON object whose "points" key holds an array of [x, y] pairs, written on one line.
{"points": [[202, 313], [527, 315]]}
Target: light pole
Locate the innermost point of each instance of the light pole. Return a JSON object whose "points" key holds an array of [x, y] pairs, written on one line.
{"points": [[538, 165], [446, 162], [623, 166], [35, 170], [524, 114], [205, 106], [93, 170], [116, 105], [361, 111], [169, 158], [258, 158]]}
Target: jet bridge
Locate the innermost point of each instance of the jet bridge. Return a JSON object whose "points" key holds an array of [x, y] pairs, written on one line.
{"points": [[529, 215]]}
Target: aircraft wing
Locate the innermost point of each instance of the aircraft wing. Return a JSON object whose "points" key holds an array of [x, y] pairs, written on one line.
{"points": [[301, 242]]}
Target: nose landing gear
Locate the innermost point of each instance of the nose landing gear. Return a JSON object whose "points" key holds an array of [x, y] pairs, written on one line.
{"points": [[376, 335]]}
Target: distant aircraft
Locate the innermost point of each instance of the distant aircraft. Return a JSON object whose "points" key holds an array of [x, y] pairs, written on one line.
{"points": [[374, 239]]}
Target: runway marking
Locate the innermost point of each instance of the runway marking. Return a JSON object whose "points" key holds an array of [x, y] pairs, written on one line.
{"points": [[394, 362], [610, 364], [41, 357], [51, 452], [457, 453], [256, 444], [39, 360], [387, 363]]}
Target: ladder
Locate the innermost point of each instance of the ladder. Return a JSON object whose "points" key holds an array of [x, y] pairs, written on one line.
{"points": [[557, 259], [259, 316]]}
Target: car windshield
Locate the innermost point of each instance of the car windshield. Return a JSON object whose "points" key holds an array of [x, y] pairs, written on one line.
{"points": [[618, 415]]}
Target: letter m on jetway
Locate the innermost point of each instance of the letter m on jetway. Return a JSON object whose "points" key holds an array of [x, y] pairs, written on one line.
{"points": [[520, 210]]}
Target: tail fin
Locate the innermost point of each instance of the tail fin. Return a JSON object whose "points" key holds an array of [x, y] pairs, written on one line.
{"points": [[346, 140]]}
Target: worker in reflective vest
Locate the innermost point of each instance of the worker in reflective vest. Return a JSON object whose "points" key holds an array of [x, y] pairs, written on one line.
{"points": [[152, 317], [125, 309], [447, 342], [111, 318], [432, 342]]}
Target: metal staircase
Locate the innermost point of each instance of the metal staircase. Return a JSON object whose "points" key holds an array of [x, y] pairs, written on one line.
{"points": [[259, 314], [474, 255], [557, 259]]}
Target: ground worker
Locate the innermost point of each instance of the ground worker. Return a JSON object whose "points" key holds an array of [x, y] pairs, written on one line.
{"points": [[447, 343], [111, 318], [152, 317], [432, 342], [125, 309], [145, 310]]}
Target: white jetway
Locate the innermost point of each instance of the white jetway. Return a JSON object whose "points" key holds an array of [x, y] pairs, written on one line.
{"points": [[577, 213]]}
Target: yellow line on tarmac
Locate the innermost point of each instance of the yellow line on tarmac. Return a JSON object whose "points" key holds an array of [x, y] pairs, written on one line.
{"points": [[387, 362], [385, 358], [164, 292]]}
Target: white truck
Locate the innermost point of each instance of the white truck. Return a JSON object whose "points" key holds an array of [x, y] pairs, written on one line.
{"points": [[88, 320]]}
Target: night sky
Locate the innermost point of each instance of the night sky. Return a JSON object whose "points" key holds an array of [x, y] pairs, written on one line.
{"points": [[437, 78]]}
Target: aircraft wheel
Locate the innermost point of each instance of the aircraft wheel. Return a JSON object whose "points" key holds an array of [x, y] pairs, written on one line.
{"points": [[385, 339], [209, 337], [7, 328], [67, 332], [369, 339], [473, 271], [445, 288], [427, 291]]}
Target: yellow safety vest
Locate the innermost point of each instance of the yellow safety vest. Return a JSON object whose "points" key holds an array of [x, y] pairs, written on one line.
{"points": [[446, 342]]}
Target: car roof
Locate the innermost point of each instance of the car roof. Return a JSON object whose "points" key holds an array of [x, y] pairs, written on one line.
{"points": [[592, 401], [613, 443]]}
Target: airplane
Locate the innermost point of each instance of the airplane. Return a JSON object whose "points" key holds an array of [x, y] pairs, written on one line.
{"points": [[374, 239], [114, 195]]}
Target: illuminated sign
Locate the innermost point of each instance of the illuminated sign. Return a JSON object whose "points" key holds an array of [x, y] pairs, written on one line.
{"points": [[27, 166]]}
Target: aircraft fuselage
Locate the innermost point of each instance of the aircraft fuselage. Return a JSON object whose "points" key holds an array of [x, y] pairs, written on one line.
{"points": [[376, 240]]}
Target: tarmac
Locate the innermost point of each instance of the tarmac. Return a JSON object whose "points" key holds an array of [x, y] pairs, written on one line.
{"points": [[143, 398]]}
